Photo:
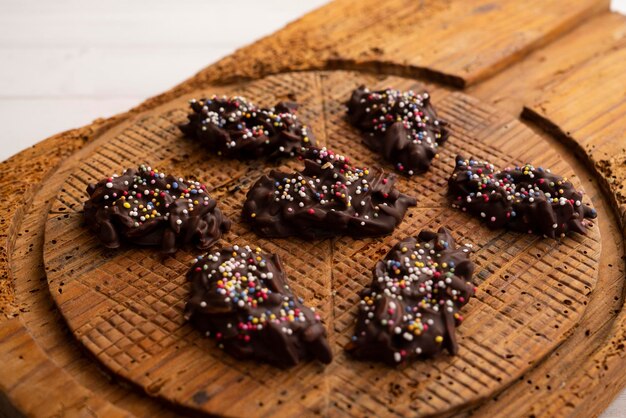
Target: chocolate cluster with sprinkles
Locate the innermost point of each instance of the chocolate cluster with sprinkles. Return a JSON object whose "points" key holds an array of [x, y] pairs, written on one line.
{"points": [[411, 308], [147, 207], [329, 197], [402, 126], [234, 127], [525, 199], [240, 297]]}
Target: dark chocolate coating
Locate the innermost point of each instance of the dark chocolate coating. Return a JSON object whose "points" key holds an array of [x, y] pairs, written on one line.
{"points": [[240, 296], [234, 127], [411, 308], [402, 126], [146, 207], [329, 197], [524, 199]]}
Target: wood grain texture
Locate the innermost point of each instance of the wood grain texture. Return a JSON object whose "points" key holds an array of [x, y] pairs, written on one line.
{"points": [[26, 374], [416, 38], [126, 306], [579, 378], [526, 81]]}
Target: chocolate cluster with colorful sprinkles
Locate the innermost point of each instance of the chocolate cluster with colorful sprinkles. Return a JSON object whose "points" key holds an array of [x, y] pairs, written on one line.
{"points": [[329, 197], [240, 297], [234, 127], [524, 199], [147, 207], [402, 126], [411, 309]]}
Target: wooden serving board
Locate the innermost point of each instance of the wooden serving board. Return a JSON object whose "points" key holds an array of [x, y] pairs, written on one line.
{"points": [[545, 333], [126, 305]]}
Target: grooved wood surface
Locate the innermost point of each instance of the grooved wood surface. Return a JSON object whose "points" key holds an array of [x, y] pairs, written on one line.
{"points": [[577, 377], [126, 305]]}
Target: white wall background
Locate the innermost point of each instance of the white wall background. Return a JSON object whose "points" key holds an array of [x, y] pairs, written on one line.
{"points": [[64, 63]]}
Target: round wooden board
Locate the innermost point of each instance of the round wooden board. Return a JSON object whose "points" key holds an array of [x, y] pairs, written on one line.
{"points": [[126, 305]]}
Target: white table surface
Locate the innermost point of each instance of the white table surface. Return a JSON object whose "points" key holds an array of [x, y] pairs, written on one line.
{"points": [[64, 63]]}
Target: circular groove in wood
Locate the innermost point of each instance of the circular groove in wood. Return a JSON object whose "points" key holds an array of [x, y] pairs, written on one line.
{"points": [[125, 305]]}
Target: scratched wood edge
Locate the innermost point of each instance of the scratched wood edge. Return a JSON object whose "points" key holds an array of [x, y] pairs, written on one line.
{"points": [[609, 361], [65, 144], [585, 155]]}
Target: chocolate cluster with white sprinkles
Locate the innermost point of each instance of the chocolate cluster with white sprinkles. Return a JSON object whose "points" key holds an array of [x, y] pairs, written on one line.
{"points": [[240, 297], [329, 197], [411, 309], [147, 207], [524, 199], [234, 127], [402, 126]]}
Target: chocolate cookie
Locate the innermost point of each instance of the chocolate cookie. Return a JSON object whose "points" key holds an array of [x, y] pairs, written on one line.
{"points": [[402, 126], [525, 199], [234, 127], [329, 197], [240, 296], [411, 308], [147, 207]]}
